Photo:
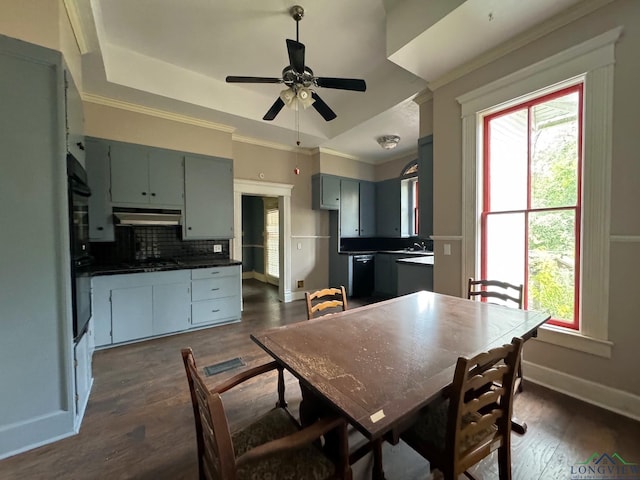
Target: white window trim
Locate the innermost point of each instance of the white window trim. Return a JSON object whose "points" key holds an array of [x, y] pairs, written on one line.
{"points": [[593, 62]]}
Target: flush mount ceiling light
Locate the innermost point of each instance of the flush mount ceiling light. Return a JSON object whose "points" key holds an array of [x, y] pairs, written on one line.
{"points": [[389, 142]]}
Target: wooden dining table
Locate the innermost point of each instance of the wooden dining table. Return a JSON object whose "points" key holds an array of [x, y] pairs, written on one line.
{"points": [[378, 365]]}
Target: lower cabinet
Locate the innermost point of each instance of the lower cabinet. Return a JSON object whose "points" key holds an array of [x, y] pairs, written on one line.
{"points": [[386, 274], [83, 351], [135, 306], [216, 295]]}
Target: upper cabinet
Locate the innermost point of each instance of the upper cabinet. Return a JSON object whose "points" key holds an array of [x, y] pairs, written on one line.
{"points": [[387, 210], [425, 180], [357, 208], [98, 175], [325, 191], [146, 176], [208, 198]]}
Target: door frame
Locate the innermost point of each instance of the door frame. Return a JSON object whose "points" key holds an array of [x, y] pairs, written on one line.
{"points": [[267, 189]]}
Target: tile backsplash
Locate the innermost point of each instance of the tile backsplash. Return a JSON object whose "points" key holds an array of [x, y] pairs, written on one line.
{"points": [[146, 242]]}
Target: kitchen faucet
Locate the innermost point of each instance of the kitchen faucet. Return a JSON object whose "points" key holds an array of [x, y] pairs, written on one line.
{"points": [[421, 246]]}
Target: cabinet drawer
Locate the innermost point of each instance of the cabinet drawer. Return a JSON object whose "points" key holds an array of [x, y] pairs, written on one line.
{"points": [[213, 311], [214, 272], [210, 288]]}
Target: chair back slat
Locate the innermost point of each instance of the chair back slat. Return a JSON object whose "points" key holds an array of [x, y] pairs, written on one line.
{"points": [[495, 289], [327, 298], [480, 410]]}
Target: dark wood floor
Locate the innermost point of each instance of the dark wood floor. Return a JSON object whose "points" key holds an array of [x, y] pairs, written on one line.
{"points": [[139, 422]]}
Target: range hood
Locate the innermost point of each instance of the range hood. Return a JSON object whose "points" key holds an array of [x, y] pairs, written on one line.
{"points": [[146, 216]]}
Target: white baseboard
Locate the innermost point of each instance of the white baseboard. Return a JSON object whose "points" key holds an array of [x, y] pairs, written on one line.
{"points": [[617, 401], [252, 274], [296, 296], [35, 432]]}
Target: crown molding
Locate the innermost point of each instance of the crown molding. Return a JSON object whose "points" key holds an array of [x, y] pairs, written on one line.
{"points": [[570, 15], [335, 153], [423, 97], [274, 145], [71, 6], [154, 112]]}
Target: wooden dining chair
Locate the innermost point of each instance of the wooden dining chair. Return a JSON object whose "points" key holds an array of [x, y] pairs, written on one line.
{"points": [[508, 293], [329, 299], [474, 419], [273, 446]]}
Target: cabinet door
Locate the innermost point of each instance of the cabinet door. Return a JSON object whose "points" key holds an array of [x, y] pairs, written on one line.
{"points": [[349, 208], [98, 176], [131, 313], [83, 375], [166, 177], [425, 184], [129, 174], [171, 308], [330, 192], [208, 198], [388, 208], [367, 202], [383, 274]]}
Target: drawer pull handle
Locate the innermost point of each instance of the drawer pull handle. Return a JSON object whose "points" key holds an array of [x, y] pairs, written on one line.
{"points": [[214, 289], [216, 310]]}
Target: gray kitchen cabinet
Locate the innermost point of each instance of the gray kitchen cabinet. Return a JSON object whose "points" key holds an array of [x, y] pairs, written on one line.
{"points": [[83, 374], [388, 208], [146, 176], [357, 208], [325, 191], [367, 212], [425, 182], [208, 198], [171, 308], [98, 176], [349, 208], [216, 295], [383, 281], [131, 313], [414, 275], [134, 306]]}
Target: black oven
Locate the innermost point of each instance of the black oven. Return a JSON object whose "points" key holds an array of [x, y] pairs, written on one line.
{"points": [[81, 259]]}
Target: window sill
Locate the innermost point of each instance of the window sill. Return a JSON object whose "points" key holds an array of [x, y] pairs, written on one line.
{"points": [[574, 341]]}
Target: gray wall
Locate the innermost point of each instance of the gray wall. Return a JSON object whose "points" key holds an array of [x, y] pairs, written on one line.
{"points": [[620, 371]]}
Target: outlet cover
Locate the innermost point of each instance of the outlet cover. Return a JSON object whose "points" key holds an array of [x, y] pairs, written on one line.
{"points": [[217, 248], [300, 283]]}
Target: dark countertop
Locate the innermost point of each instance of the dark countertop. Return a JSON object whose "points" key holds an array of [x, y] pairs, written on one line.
{"points": [[419, 261], [421, 253], [186, 264]]}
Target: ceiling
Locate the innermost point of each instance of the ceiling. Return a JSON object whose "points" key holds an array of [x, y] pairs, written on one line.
{"points": [[174, 56]]}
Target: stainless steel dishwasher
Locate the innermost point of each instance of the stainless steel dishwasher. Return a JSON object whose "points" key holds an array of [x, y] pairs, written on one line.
{"points": [[363, 275]]}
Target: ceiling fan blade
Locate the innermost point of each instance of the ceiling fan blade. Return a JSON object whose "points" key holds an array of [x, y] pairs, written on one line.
{"points": [[296, 55], [342, 83], [232, 79], [274, 110], [322, 108]]}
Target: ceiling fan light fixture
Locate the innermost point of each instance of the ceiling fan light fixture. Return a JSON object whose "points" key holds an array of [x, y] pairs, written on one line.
{"points": [[304, 97], [288, 96], [388, 142]]}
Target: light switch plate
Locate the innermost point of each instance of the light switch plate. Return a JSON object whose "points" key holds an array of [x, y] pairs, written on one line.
{"points": [[217, 248]]}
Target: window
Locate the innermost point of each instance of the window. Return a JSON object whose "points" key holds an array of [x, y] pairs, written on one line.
{"points": [[272, 241], [592, 64], [409, 200], [531, 205]]}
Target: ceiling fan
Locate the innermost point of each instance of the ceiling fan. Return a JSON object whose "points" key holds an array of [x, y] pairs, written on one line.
{"points": [[300, 79]]}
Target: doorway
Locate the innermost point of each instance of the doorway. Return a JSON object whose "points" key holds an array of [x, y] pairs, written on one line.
{"points": [[281, 192]]}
